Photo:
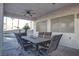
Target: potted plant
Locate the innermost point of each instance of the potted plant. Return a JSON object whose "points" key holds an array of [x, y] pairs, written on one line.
{"points": [[26, 27]]}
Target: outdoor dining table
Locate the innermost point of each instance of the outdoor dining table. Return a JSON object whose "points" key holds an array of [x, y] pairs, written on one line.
{"points": [[36, 40]]}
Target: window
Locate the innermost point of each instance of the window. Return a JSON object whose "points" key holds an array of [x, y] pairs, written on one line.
{"points": [[41, 26], [63, 24], [22, 22], [9, 23], [14, 23], [5, 23]]}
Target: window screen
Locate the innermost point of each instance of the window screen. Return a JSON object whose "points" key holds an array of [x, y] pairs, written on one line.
{"points": [[63, 24], [41, 26]]}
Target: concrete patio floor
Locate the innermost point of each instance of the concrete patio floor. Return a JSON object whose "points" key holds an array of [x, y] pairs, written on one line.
{"points": [[12, 48]]}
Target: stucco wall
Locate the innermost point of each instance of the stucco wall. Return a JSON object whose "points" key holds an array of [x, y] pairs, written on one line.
{"points": [[68, 39]]}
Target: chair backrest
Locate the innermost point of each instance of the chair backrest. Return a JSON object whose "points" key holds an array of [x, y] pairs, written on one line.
{"points": [[41, 34], [47, 34], [18, 36], [54, 42], [23, 34]]}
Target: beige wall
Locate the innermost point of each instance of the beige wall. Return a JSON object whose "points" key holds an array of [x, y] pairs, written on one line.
{"points": [[68, 39]]}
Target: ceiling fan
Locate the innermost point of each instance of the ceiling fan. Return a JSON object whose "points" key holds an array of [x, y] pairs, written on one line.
{"points": [[28, 13]]}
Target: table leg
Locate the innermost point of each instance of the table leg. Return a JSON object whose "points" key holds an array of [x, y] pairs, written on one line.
{"points": [[37, 49]]}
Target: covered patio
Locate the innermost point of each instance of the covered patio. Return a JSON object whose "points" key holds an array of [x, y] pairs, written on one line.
{"points": [[48, 23]]}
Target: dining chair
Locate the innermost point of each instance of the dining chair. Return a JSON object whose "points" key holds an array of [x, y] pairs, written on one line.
{"points": [[52, 47], [24, 46], [41, 34], [47, 34], [23, 34], [20, 35]]}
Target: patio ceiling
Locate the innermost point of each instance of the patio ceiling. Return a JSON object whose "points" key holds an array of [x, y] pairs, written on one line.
{"points": [[40, 9]]}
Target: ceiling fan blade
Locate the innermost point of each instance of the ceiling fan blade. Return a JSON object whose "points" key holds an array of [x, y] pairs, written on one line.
{"points": [[28, 13]]}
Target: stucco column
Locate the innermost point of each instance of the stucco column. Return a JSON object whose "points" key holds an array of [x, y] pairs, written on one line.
{"points": [[1, 27], [48, 25]]}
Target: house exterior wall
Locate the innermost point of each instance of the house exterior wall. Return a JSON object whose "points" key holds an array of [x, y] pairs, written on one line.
{"points": [[68, 39]]}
